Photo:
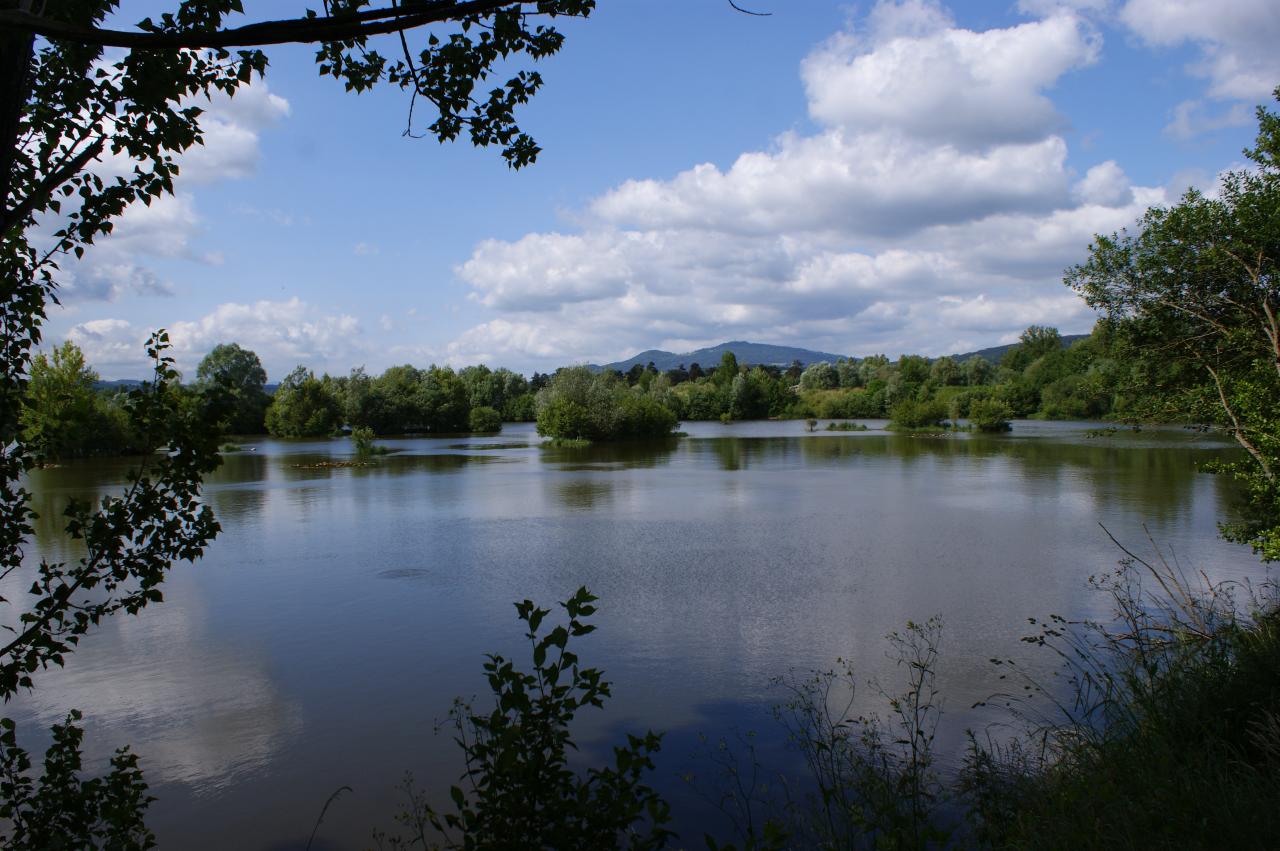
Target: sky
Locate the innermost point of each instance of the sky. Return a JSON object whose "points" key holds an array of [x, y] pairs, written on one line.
{"points": [[866, 178]]}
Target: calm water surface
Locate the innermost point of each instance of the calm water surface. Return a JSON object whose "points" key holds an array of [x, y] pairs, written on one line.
{"points": [[342, 609]]}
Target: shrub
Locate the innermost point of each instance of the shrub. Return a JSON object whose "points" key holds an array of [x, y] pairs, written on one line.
{"points": [[910, 413], [362, 437], [580, 405], [643, 416], [564, 419], [485, 419], [990, 415], [518, 790]]}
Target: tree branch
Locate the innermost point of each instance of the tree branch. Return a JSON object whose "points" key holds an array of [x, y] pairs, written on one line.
{"points": [[294, 30], [1238, 430], [14, 218]]}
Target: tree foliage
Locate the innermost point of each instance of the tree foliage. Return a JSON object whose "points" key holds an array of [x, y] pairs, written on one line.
{"points": [[240, 374], [578, 404], [518, 790], [65, 105], [304, 406], [63, 810], [1194, 292], [64, 415]]}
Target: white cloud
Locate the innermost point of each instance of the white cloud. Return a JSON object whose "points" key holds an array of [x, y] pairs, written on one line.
{"points": [[1237, 40], [915, 72], [544, 270], [1193, 118], [115, 266], [877, 182], [931, 210], [282, 333], [1106, 185]]}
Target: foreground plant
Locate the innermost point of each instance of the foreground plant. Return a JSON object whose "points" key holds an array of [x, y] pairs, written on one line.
{"points": [[518, 789], [869, 781], [129, 542], [1166, 733], [1194, 293]]}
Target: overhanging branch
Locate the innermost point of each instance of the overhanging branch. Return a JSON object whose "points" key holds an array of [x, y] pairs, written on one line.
{"points": [[295, 30]]}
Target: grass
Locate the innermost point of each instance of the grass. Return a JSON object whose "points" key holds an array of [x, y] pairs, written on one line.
{"points": [[1172, 737], [567, 442], [846, 426]]}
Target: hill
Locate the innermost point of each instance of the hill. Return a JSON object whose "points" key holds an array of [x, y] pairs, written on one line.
{"points": [[994, 353], [746, 353]]}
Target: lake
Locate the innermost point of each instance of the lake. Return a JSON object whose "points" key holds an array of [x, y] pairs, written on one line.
{"points": [[341, 610]]}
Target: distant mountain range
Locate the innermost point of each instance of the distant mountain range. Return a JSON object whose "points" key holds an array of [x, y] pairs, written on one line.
{"points": [[767, 354], [994, 353], [746, 353]]}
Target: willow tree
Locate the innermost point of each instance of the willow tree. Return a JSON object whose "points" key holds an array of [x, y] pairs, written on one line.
{"points": [[1194, 291], [66, 104]]}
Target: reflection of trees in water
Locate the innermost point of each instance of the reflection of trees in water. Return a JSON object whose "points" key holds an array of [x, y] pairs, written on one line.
{"points": [[52, 488], [584, 493], [1156, 480], [624, 455], [740, 453], [235, 489], [575, 478]]}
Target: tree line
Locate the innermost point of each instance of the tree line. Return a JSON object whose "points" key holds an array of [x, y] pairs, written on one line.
{"points": [[65, 414]]}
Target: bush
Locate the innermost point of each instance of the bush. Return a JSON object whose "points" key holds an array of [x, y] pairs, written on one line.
{"points": [[580, 405], [990, 415], [642, 416], [910, 413], [362, 437], [1171, 739], [846, 404], [564, 419], [518, 789], [485, 419]]}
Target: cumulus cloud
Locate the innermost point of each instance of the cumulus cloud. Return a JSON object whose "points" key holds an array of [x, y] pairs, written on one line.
{"points": [[115, 266], [877, 182], [916, 72], [170, 225], [1237, 40], [1194, 117], [1105, 184], [282, 333], [931, 210]]}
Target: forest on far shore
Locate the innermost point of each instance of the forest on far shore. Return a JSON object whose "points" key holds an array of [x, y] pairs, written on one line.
{"points": [[68, 413]]}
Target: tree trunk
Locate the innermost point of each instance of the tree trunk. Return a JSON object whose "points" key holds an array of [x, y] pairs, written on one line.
{"points": [[15, 87]]}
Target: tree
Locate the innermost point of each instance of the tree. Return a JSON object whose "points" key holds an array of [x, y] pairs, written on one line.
{"points": [[977, 371], [64, 416], [239, 372], [819, 376], [304, 406], [485, 419], [65, 104], [578, 404], [727, 369], [1194, 295], [946, 372]]}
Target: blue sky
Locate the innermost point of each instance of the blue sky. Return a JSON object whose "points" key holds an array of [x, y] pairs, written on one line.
{"points": [[881, 177]]}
